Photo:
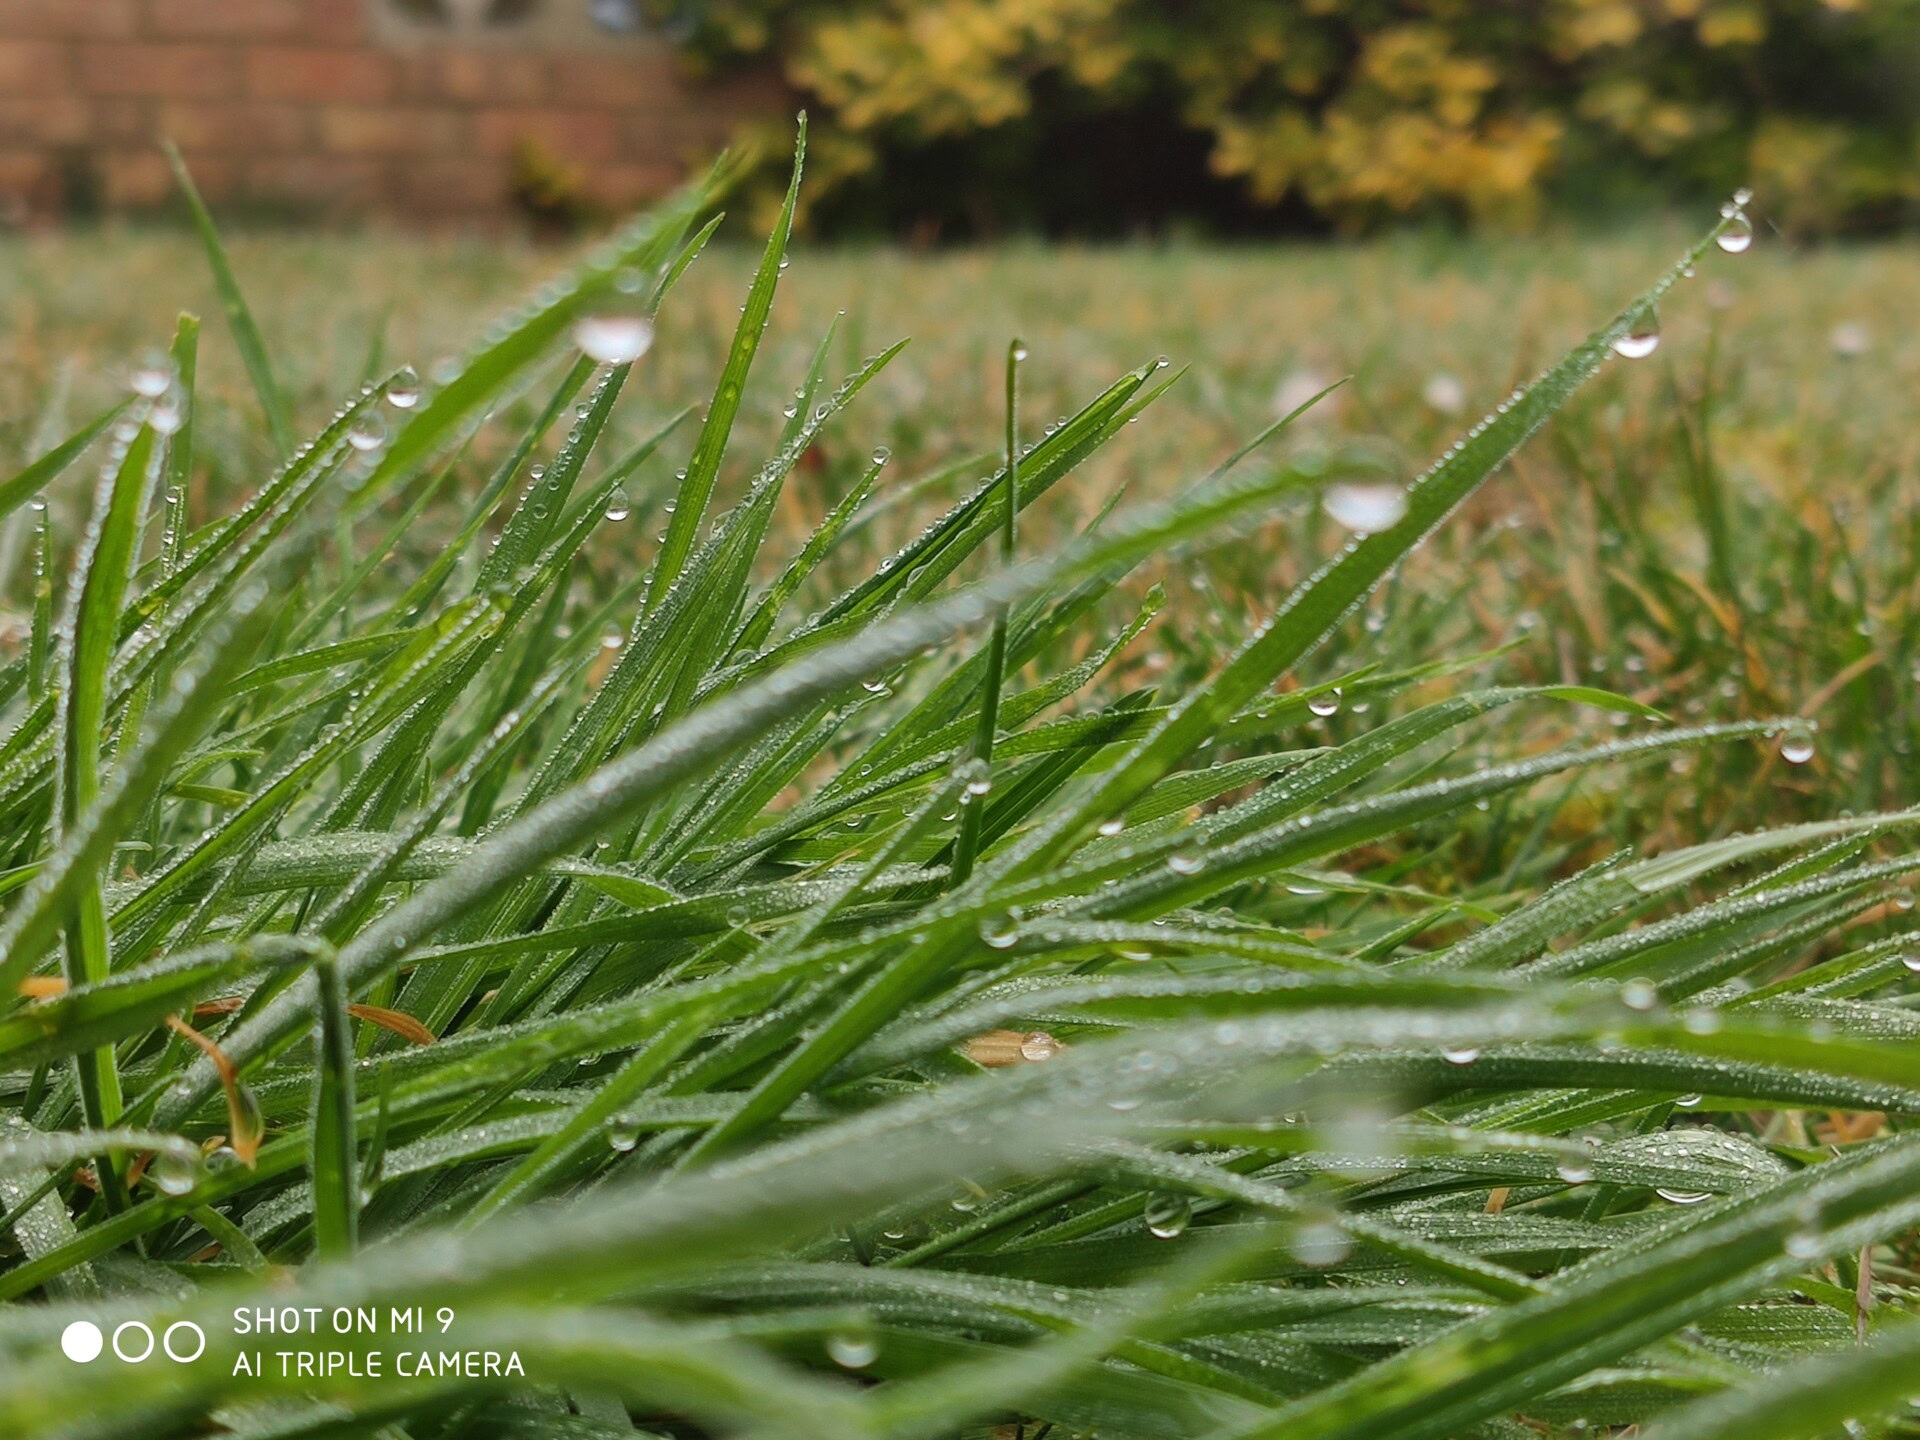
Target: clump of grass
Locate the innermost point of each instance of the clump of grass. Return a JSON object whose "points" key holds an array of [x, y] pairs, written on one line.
{"points": [[762, 999]]}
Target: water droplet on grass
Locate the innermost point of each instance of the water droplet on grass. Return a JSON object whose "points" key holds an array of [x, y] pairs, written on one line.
{"points": [[1737, 237], [1039, 1046], [1796, 744], [851, 1350], [1167, 1216], [613, 339], [152, 376], [999, 932], [1365, 509], [403, 391], [368, 433], [175, 1174], [1326, 703], [1460, 1054], [1683, 1197], [623, 1133], [1187, 860], [1641, 338], [619, 505]]}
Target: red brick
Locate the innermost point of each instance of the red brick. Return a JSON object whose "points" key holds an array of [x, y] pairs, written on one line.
{"points": [[641, 78], [54, 120], [478, 77], [390, 130], [74, 19], [625, 187], [305, 72], [568, 134], [323, 182], [199, 72], [142, 179], [310, 21], [122, 121], [34, 67], [236, 125], [446, 189]]}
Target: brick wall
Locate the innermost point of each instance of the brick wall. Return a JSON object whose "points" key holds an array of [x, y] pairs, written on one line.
{"points": [[341, 107]]}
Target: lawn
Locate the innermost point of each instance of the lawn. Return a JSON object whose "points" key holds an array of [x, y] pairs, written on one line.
{"points": [[730, 922]]}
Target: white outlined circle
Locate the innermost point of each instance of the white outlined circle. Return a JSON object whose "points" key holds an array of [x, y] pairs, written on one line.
{"points": [[82, 1342], [166, 1341], [121, 1329]]}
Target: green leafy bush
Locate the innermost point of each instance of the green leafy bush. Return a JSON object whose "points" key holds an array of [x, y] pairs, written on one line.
{"points": [[815, 999], [1363, 110]]}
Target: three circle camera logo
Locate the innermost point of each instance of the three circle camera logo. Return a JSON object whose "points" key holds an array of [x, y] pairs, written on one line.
{"points": [[133, 1341]]}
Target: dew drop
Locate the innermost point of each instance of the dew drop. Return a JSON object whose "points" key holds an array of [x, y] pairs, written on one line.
{"points": [[852, 1350], [1804, 1244], [1112, 825], [368, 433], [1683, 1197], [1326, 703], [1039, 1046], [619, 504], [1445, 394], [1319, 1244], [613, 339], [1639, 995], [1737, 236], [999, 932], [1167, 1215], [1365, 509], [1460, 1054], [1187, 860], [403, 391], [1912, 962], [623, 1133], [1796, 744], [1641, 337], [152, 376], [175, 1174]]}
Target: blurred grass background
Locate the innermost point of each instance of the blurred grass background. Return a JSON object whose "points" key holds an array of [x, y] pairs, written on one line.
{"points": [[1775, 418]]}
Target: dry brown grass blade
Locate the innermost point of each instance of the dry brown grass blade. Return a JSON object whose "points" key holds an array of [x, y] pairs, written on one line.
{"points": [[246, 1125]]}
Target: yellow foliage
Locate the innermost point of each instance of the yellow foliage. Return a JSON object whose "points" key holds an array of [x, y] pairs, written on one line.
{"points": [[1362, 109]]}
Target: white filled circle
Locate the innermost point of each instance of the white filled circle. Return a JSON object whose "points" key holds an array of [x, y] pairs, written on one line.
{"points": [[122, 1329], [82, 1341], [199, 1336]]}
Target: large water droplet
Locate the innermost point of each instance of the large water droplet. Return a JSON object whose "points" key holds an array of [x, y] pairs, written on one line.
{"points": [[1796, 744], [619, 504], [174, 1173], [1187, 860], [1326, 703], [1320, 1244], [614, 339], [623, 1133], [1737, 236], [1444, 393], [1460, 1054], [1641, 337], [1365, 509], [999, 932], [852, 1349], [403, 391], [152, 376], [1039, 1046], [1167, 1215], [368, 433], [1683, 1197]]}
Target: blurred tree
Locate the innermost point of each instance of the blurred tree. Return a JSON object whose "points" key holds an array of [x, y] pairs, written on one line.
{"points": [[1362, 110]]}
